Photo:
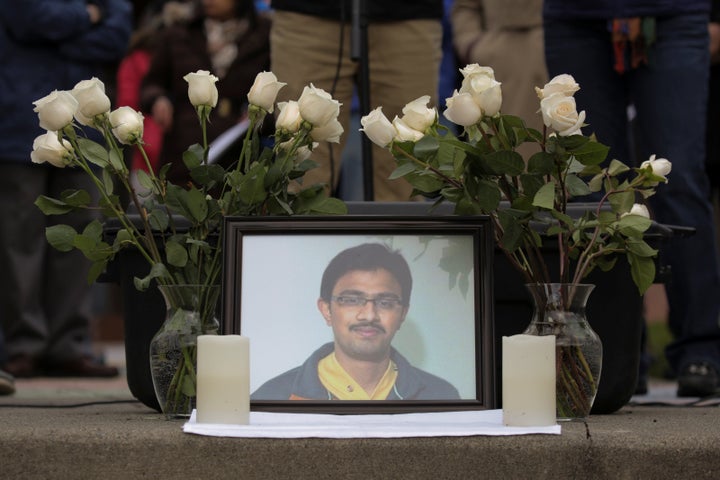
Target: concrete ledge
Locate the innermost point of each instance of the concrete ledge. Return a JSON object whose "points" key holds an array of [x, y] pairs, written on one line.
{"points": [[128, 440]]}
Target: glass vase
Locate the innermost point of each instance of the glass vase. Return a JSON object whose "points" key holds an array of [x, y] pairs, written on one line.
{"points": [[559, 309], [191, 310]]}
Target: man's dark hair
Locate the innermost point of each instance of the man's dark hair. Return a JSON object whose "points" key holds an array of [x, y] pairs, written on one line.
{"points": [[367, 257]]}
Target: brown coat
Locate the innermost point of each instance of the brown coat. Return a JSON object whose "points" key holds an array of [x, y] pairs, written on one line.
{"points": [[183, 49], [506, 35]]}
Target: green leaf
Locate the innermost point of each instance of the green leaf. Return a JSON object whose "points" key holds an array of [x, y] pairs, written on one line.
{"points": [[108, 182], [571, 143], [513, 231], [94, 230], [617, 167], [488, 195], [144, 180], [425, 182], [96, 269], [91, 248], [122, 238], [158, 219], [642, 270], [449, 155], [545, 197], [61, 237], [596, 183], [541, 163], [176, 254], [193, 156], [402, 170], [531, 184], [330, 206], [622, 201], [94, 152], [158, 270], [426, 147], [505, 162], [117, 161], [591, 153], [634, 225], [640, 248], [576, 186], [77, 198], [252, 185], [208, 175], [189, 203], [51, 206]]}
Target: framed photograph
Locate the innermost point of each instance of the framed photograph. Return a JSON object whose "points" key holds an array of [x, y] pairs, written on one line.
{"points": [[361, 313]]}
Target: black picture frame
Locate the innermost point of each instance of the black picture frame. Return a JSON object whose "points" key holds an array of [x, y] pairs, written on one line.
{"points": [[271, 280]]}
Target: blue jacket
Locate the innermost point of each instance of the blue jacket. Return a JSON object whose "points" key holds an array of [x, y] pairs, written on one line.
{"points": [[607, 9], [48, 45], [303, 383]]}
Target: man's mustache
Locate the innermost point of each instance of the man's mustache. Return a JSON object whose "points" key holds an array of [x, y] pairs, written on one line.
{"points": [[374, 325]]}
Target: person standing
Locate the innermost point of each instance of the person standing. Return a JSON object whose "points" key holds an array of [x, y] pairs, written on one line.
{"points": [[655, 57], [225, 37], [310, 42], [506, 35], [44, 294]]}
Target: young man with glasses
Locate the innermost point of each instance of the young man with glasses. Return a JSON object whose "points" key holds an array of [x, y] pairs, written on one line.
{"points": [[364, 298]]}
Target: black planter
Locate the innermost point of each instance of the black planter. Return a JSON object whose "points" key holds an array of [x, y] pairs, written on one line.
{"points": [[143, 314], [614, 310]]}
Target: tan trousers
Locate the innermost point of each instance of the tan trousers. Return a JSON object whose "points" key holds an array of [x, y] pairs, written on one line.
{"points": [[404, 60]]}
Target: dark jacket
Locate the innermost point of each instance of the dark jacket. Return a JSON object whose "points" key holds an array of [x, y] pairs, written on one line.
{"points": [[377, 10], [182, 50], [606, 9], [303, 383], [48, 45]]}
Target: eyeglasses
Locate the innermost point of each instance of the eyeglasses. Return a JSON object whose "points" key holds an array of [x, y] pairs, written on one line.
{"points": [[356, 301]]}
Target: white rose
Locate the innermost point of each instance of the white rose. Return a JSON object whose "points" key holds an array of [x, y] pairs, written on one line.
{"points": [[563, 83], [378, 128], [317, 106], [417, 115], [289, 117], [127, 125], [264, 91], [329, 132], [201, 88], [404, 132], [559, 113], [92, 100], [485, 91], [462, 109], [56, 111], [47, 148], [661, 167], [638, 209], [475, 69]]}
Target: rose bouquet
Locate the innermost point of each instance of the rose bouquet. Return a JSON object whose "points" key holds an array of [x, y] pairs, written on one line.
{"points": [[481, 172], [176, 228], [527, 200]]}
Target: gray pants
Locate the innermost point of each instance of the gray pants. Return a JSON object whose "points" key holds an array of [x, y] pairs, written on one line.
{"points": [[44, 294]]}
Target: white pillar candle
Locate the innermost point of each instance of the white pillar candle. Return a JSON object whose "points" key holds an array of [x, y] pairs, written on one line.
{"points": [[528, 380], [223, 379]]}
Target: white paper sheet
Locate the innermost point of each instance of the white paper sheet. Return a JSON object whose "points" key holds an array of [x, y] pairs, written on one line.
{"points": [[432, 424]]}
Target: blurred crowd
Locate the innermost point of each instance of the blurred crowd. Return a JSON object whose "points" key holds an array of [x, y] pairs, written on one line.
{"points": [[649, 83]]}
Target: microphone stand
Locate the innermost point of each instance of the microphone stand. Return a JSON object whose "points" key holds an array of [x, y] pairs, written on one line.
{"points": [[359, 53]]}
